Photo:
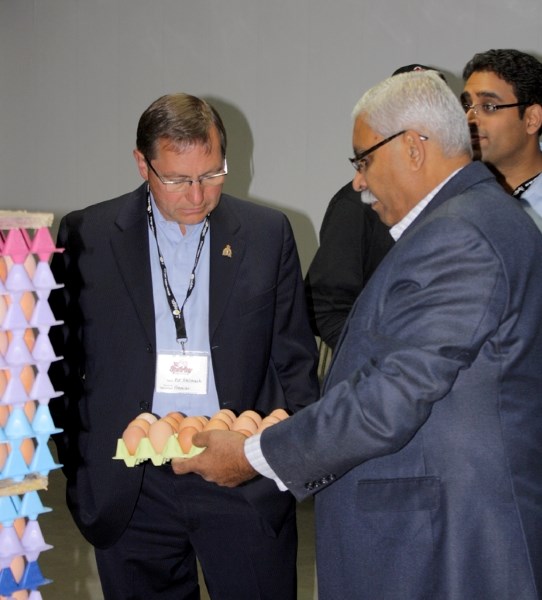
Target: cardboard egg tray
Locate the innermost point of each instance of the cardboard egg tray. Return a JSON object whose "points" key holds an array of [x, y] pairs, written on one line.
{"points": [[145, 451]]}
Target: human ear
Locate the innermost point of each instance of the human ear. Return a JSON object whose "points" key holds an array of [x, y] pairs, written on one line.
{"points": [[141, 163], [415, 149], [533, 119]]}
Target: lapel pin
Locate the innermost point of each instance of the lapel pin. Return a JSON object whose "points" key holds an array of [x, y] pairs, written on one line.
{"points": [[227, 251]]}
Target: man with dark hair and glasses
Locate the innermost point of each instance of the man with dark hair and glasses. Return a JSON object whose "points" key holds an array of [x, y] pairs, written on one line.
{"points": [[178, 273], [502, 98]]}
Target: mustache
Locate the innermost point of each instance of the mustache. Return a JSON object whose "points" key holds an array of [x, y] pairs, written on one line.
{"points": [[367, 197]]}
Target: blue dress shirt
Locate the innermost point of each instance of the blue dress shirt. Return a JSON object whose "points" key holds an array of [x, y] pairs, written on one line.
{"points": [[179, 253]]}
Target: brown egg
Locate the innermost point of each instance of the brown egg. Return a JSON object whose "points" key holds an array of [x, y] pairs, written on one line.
{"points": [[226, 414], [4, 451], [19, 524], [177, 416], [17, 568], [27, 450], [253, 415], [30, 265], [185, 438], [271, 419], [27, 377], [222, 417], [143, 423], [268, 422], [28, 302], [3, 269], [280, 413], [147, 416], [3, 342], [30, 410], [245, 432], [4, 413], [159, 433], [3, 308], [245, 423], [173, 422], [195, 422], [132, 435], [216, 424]]}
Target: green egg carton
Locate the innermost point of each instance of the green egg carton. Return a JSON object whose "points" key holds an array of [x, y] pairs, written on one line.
{"points": [[145, 451]]}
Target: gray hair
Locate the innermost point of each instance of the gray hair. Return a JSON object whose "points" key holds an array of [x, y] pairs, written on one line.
{"points": [[421, 101]]}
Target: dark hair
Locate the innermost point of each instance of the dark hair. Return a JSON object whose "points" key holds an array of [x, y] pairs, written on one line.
{"points": [[182, 119], [417, 67], [519, 69]]}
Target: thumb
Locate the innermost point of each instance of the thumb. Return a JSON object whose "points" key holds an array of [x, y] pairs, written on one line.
{"points": [[201, 439]]}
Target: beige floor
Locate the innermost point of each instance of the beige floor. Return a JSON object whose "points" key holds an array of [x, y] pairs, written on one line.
{"points": [[71, 565]]}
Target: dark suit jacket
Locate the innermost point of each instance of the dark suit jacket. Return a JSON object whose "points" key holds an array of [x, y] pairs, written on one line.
{"points": [[426, 446], [263, 351], [353, 241]]}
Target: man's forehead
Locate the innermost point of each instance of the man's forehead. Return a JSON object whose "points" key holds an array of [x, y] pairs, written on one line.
{"points": [[363, 135], [487, 84]]}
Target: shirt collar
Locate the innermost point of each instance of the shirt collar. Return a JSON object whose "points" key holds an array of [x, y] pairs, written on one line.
{"points": [[399, 228]]}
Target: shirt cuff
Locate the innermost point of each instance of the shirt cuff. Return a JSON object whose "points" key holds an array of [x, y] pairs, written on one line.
{"points": [[254, 455]]}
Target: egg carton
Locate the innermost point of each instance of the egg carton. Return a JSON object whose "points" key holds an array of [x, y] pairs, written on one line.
{"points": [[145, 451]]}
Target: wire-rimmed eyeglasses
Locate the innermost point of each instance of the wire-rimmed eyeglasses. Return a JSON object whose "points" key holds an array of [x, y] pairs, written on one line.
{"points": [[184, 183]]}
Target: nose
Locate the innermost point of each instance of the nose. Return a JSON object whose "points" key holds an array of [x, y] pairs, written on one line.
{"points": [[472, 114], [359, 183], [195, 193]]}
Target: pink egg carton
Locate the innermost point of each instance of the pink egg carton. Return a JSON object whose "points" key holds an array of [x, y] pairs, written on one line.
{"points": [[145, 451]]}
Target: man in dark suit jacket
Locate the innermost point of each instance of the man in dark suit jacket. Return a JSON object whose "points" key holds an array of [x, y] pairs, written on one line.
{"points": [[353, 241], [146, 523], [424, 453]]}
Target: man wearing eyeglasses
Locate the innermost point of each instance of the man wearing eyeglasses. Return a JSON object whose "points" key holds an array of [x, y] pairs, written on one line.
{"points": [[178, 273], [353, 241], [424, 453], [502, 98]]}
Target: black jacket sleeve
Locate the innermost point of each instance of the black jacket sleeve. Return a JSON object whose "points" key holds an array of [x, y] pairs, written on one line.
{"points": [[353, 241]]}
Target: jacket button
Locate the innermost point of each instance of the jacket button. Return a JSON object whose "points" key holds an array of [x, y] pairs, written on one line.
{"points": [[144, 406]]}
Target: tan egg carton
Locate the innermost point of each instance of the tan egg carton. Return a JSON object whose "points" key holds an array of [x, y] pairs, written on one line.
{"points": [[159, 440]]}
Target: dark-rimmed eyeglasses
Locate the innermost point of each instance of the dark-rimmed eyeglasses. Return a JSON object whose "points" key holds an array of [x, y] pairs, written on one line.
{"points": [[488, 108], [359, 162], [182, 184]]}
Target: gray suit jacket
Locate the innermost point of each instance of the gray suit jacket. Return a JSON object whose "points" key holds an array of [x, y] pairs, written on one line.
{"points": [[263, 351], [425, 452]]}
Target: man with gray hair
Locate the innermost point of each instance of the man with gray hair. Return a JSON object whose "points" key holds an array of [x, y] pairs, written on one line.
{"points": [[424, 451]]}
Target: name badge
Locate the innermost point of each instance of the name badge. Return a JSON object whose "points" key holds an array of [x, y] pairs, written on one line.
{"points": [[178, 373]]}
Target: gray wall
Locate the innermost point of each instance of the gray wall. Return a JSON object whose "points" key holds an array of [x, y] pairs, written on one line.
{"points": [[76, 74]]}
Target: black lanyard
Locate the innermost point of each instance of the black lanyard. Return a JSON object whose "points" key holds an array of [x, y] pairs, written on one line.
{"points": [[518, 192], [176, 313]]}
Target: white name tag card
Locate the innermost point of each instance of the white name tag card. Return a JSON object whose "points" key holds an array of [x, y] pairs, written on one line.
{"points": [[182, 373]]}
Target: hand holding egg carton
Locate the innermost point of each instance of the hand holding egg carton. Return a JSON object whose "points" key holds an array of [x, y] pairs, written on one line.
{"points": [[148, 437]]}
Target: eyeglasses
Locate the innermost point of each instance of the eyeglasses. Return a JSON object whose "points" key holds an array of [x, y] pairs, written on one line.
{"points": [[488, 108], [360, 162], [184, 183]]}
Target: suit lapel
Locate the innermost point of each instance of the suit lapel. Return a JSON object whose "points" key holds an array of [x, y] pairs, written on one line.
{"points": [[227, 251], [130, 247]]}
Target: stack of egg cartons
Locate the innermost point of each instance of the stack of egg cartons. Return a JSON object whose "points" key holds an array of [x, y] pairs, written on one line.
{"points": [[25, 390]]}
